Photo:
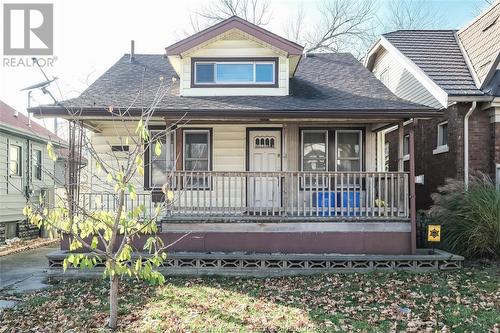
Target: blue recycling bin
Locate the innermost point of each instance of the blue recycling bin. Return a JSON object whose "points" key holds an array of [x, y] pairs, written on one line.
{"points": [[323, 200], [351, 200]]}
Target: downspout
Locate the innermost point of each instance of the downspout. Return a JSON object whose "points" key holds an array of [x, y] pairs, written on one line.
{"points": [[466, 142]]}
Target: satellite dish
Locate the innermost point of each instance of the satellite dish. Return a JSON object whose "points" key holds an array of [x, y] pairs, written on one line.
{"points": [[40, 85]]}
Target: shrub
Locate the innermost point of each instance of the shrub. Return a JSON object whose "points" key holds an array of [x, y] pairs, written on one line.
{"points": [[470, 218]]}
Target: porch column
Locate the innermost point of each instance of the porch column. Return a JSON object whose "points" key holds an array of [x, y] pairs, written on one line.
{"points": [[413, 209], [400, 146]]}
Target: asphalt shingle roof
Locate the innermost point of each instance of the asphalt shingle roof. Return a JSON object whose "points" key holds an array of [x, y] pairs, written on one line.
{"points": [[21, 122], [438, 54], [329, 82]]}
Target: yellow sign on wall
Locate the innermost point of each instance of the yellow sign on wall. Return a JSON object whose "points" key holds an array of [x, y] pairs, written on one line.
{"points": [[433, 233]]}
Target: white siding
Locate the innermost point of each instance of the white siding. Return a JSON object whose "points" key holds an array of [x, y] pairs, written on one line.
{"points": [[12, 196], [234, 45], [401, 82]]}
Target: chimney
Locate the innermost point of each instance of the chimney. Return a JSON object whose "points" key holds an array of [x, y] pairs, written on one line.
{"points": [[132, 51]]}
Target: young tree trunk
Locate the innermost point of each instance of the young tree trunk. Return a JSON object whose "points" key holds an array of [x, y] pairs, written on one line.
{"points": [[113, 301]]}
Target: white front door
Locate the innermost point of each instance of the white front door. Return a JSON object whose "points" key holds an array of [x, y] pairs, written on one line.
{"points": [[264, 156]]}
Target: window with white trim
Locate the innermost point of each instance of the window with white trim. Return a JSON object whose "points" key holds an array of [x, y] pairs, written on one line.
{"points": [[15, 160], [160, 166], [234, 73], [406, 147], [442, 134], [37, 164], [348, 150], [314, 150], [197, 155]]}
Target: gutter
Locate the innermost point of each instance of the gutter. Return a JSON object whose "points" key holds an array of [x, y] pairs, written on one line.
{"points": [[466, 142]]}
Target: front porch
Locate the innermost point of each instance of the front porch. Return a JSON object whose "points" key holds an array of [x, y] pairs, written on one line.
{"points": [[279, 196]]}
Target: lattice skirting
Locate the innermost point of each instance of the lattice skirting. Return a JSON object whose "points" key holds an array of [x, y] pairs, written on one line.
{"points": [[239, 264]]}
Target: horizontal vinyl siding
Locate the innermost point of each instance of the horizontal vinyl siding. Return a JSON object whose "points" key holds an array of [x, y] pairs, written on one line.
{"points": [[12, 189], [234, 48], [401, 82]]}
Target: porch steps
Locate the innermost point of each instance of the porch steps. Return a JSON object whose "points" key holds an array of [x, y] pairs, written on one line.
{"points": [[279, 264]]}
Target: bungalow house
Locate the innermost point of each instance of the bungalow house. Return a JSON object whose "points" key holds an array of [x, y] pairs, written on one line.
{"points": [[26, 171], [458, 72], [277, 150]]}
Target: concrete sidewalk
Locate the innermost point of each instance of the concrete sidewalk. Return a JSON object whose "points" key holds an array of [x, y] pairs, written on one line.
{"points": [[24, 271]]}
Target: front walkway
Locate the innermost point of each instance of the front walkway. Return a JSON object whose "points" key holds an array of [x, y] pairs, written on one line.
{"points": [[24, 271]]}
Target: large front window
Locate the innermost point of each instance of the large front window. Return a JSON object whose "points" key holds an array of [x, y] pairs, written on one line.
{"points": [[331, 150], [209, 73]]}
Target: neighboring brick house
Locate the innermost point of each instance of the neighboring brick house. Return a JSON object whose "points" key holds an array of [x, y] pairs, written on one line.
{"points": [[458, 72]]}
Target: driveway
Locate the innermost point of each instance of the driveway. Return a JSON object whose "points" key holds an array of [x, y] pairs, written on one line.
{"points": [[24, 271]]}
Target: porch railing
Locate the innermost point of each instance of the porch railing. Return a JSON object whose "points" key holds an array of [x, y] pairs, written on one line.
{"points": [[310, 195]]}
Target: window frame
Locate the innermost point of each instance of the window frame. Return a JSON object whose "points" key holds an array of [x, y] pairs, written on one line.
{"points": [[254, 61], [327, 159], [406, 143], [440, 147], [207, 182], [19, 161], [151, 154], [360, 136], [37, 164]]}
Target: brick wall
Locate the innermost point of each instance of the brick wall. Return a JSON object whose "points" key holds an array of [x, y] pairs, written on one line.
{"points": [[437, 167]]}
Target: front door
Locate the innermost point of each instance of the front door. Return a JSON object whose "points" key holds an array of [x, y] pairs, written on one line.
{"points": [[265, 158]]}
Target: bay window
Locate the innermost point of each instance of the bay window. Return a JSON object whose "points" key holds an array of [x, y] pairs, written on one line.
{"points": [[234, 72]]}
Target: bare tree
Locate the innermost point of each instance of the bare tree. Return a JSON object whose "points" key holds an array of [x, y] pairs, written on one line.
{"points": [[411, 15], [343, 25], [257, 12], [102, 228], [295, 25]]}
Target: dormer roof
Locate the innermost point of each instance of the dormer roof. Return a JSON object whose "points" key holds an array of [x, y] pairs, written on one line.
{"points": [[234, 22]]}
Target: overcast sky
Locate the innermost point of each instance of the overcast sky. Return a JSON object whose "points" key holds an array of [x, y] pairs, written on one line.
{"points": [[90, 35]]}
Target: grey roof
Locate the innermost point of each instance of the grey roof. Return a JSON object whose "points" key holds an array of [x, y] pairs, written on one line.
{"points": [[438, 54], [335, 82]]}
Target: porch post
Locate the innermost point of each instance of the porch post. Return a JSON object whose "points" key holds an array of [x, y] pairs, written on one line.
{"points": [[400, 146], [413, 209]]}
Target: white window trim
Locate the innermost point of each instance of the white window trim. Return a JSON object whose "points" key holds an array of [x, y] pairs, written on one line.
{"points": [[302, 147], [35, 150], [406, 157], [151, 154], [350, 158], [187, 131], [439, 147], [20, 162], [254, 82]]}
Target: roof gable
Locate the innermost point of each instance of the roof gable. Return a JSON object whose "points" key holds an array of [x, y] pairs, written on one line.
{"points": [[481, 43], [234, 22], [438, 54]]}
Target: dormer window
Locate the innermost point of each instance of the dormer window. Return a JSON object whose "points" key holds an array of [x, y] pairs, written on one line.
{"points": [[234, 72]]}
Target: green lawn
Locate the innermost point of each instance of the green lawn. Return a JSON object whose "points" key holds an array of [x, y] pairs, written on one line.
{"points": [[467, 300]]}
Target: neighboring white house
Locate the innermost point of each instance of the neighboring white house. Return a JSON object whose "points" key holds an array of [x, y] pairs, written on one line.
{"points": [[26, 171]]}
